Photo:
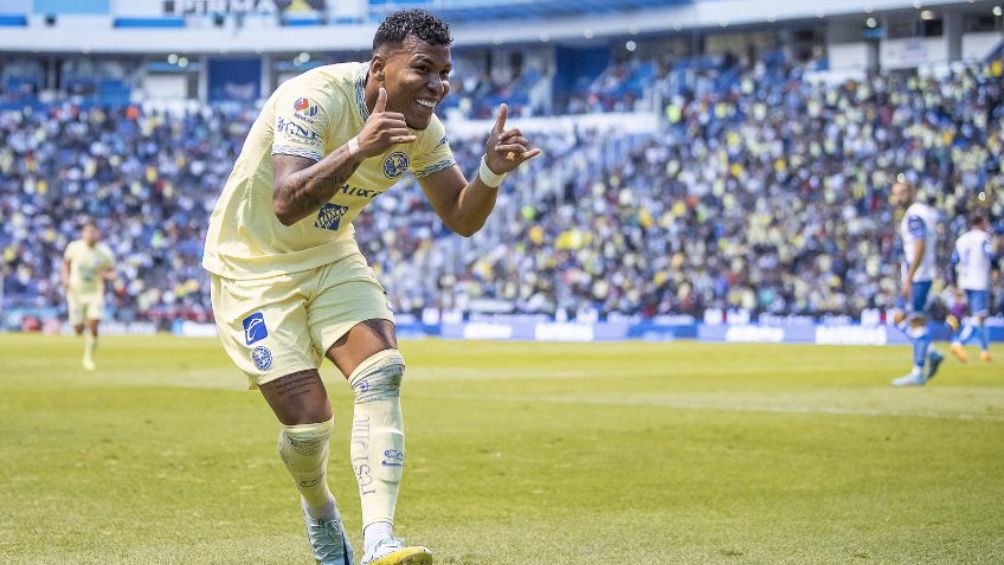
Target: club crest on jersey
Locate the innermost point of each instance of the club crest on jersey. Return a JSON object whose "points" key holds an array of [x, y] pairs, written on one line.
{"points": [[254, 328], [330, 216], [305, 106], [395, 165], [262, 357]]}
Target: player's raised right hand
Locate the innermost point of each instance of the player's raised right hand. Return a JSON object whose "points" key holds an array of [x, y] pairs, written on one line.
{"points": [[383, 129]]}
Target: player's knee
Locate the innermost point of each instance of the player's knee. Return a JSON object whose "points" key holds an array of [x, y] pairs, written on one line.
{"points": [[304, 440], [378, 377]]}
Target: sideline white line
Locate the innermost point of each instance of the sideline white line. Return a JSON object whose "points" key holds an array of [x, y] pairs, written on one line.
{"points": [[728, 406]]}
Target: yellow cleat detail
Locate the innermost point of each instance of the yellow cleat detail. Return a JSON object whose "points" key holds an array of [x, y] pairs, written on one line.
{"points": [[952, 322], [415, 555], [959, 352], [88, 364]]}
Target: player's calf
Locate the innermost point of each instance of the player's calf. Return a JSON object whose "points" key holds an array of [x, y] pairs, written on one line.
{"points": [[377, 448]]}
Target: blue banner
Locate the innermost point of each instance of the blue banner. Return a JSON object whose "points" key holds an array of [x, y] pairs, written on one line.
{"points": [[234, 80]]}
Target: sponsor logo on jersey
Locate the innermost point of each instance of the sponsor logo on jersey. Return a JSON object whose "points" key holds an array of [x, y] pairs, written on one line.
{"points": [[305, 107], [330, 216], [262, 357], [358, 192], [296, 132], [441, 141], [395, 165], [254, 328]]}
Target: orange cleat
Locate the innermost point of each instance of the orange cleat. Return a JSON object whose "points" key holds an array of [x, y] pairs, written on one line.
{"points": [[959, 352], [985, 356]]}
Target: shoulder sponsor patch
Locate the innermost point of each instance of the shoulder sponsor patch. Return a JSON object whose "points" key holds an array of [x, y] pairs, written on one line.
{"points": [[254, 328], [297, 133], [262, 357], [395, 164], [330, 216], [304, 108]]}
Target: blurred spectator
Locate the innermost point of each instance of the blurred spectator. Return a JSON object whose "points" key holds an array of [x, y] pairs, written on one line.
{"points": [[762, 191]]}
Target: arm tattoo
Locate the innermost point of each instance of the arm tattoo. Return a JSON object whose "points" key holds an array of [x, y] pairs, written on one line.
{"points": [[303, 192]]}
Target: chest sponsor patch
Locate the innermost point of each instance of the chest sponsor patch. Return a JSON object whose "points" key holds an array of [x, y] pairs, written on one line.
{"points": [[330, 216]]}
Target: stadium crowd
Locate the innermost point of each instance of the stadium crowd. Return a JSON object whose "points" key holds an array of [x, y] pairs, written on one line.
{"points": [[768, 193]]}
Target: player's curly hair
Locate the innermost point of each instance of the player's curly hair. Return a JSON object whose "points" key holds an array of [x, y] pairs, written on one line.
{"points": [[423, 25]]}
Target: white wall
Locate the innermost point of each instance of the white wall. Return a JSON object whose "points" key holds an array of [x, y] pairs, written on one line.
{"points": [[165, 87], [847, 56], [913, 52], [976, 46]]}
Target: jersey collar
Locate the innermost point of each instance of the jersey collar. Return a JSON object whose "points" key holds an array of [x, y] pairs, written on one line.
{"points": [[364, 69]]}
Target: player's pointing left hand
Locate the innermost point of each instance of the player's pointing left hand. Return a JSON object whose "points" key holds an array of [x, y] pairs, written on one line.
{"points": [[505, 149]]}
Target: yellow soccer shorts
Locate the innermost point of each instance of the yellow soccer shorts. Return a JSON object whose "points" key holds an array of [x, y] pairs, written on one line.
{"points": [[84, 307], [275, 326]]}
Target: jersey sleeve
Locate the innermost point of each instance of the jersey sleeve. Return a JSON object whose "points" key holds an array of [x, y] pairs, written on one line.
{"points": [[917, 227], [108, 258], [435, 154], [68, 253], [302, 115]]}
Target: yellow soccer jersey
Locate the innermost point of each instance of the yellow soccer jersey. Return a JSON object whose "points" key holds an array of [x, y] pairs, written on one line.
{"points": [[86, 266], [310, 116]]}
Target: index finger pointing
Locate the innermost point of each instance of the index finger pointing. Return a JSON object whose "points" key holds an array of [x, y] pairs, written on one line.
{"points": [[381, 102], [503, 114]]}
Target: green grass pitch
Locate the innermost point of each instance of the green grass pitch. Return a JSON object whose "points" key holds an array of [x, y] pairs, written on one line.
{"points": [[518, 454]]}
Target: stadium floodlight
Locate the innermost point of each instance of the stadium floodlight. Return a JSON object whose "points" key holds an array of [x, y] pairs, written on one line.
{"points": [[631, 46], [871, 23], [998, 11], [927, 15]]}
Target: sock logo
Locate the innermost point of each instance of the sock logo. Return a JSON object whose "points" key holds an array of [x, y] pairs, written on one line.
{"points": [[254, 328], [393, 458]]}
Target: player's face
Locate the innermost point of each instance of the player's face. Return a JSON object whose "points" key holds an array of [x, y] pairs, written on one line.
{"points": [[417, 78], [91, 235], [902, 195]]}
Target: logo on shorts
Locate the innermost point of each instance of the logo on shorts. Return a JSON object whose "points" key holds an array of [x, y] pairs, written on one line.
{"points": [[395, 165], [262, 357], [254, 328], [330, 216]]}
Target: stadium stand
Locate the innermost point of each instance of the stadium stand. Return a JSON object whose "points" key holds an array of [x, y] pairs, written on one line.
{"points": [[734, 203]]}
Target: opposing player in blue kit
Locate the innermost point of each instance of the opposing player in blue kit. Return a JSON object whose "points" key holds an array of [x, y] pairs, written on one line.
{"points": [[973, 259], [918, 233]]}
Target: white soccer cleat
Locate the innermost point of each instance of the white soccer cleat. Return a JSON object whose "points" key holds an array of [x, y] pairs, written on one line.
{"points": [[392, 551], [88, 364], [909, 380], [328, 542]]}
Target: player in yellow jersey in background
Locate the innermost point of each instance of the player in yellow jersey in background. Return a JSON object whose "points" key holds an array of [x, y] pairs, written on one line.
{"points": [[290, 286], [87, 264]]}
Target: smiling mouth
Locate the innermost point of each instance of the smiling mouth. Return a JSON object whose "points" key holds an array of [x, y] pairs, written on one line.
{"points": [[426, 103]]}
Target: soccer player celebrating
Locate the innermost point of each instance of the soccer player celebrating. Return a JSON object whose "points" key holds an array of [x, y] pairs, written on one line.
{"points": [[973, 260], [919, 237], [87, 264], [290, 286]]}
